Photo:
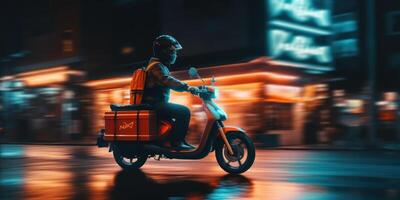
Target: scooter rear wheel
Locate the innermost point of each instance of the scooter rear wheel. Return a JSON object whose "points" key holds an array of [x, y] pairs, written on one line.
{"points": [[243, 153], [128, 162]]}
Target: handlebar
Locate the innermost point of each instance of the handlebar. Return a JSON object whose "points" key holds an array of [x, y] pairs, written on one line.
{"points": [[205, 92]]}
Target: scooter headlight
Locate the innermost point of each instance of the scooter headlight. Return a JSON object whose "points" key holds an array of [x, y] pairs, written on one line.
{"points": [[216, 93], [219, 113], [213, 92], [222, 114]]}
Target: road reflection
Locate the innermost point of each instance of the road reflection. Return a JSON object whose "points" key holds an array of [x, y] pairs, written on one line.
{"points": [[136, 184], [55, 172], [80, 178]]}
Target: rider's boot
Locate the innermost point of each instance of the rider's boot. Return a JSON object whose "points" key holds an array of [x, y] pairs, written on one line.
{"points": [[187, 144], [181, 146]]}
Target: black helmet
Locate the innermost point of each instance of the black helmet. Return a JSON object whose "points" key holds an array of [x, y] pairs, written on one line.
{"points": [[165, 48]]}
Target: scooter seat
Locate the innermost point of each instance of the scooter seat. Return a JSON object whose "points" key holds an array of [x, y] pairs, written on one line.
{"points": [[128, 107]]}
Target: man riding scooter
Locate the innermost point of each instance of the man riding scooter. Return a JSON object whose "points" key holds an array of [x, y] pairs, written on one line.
{"points": [[135, 132], [157, 90]]}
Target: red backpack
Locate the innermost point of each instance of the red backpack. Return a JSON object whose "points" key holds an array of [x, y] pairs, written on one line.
{"points": [[138, 84]]}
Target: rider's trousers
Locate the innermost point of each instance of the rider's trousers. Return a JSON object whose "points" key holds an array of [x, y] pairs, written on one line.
{"points": [[179, 114]]}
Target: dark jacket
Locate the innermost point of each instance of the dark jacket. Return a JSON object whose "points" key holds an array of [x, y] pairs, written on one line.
{"points": [[159, 82]]}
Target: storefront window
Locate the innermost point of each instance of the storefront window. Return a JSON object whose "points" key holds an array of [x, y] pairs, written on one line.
{"points": [[279, 116]]}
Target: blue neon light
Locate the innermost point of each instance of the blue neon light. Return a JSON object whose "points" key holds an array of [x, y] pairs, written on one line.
{"points": [[298, 47], [346, 47], [345, 27], [300, 33], [300, 27], [301, 11], [346, 37], [303, 66]]}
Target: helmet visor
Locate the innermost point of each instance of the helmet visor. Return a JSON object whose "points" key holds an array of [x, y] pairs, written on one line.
{"points": [[176, 46]]}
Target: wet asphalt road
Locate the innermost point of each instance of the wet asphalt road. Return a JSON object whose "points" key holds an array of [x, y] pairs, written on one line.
{"points": [[76, 172]]}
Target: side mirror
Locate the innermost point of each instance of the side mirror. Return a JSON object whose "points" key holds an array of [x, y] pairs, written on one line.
{"points": [[193, 72]]}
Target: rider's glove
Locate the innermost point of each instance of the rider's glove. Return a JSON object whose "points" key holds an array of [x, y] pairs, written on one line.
{"points": [[193, 89]]}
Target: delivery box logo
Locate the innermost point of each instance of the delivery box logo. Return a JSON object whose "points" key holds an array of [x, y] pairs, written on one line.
{"points": [[126, 125]]}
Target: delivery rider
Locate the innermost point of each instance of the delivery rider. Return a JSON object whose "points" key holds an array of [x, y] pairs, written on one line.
{"points": [[157, 90]]}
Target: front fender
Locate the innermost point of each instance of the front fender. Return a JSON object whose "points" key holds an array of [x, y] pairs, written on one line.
{"points": [[228, 129]]}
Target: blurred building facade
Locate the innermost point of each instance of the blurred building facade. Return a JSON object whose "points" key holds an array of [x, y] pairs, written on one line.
{"points": [[351, 62], [388, 70], [278, 63], [42, 71]]}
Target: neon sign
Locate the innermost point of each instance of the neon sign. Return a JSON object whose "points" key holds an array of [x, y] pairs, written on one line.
{"points": [[346, 47], [346, 35], [300, 33], [301, 11], [298, 47]]}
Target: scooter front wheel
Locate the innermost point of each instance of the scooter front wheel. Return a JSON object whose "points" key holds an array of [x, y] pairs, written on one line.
{"points": [[128, 162], [243, 153]]}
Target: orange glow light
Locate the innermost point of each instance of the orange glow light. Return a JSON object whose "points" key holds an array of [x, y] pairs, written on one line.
{"points": [[289, 91], [47, 76], [283, 93], [6, 78], [231, 78], [44, 71], [108, 82], [250, 77], [44, 79]]}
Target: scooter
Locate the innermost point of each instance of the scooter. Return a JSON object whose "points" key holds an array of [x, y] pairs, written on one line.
{"points": [[234, 149]]}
